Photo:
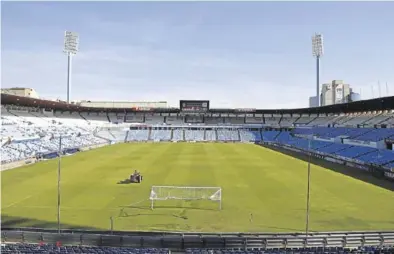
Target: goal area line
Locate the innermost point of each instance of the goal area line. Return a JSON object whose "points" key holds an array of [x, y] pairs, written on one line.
{"points": [[186, 193], [185, 187]]}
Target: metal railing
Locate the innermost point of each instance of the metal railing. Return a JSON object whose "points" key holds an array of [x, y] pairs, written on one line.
{"points": [[181, 241]]}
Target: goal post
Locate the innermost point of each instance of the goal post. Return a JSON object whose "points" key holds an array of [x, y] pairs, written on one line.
{"points": [[186, 193]]}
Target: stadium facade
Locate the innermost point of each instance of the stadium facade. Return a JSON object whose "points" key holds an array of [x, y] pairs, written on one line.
{"points": [[122, 104]]}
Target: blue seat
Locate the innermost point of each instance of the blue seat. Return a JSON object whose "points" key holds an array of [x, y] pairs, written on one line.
{"points": [[312, 250], [33, 248]]}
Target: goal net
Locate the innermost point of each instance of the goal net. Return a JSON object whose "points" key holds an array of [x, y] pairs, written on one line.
{"points": [[186, 193]]}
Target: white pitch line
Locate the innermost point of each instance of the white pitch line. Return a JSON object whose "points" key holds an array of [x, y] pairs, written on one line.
{"points": [[12, 204], [139, 202]]}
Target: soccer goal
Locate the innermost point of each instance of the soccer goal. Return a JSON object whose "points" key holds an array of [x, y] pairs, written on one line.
{"points": [[186, 193]]}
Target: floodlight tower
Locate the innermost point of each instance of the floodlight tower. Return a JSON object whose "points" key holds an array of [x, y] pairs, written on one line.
{"points": [[71, 42], [317, 51]]}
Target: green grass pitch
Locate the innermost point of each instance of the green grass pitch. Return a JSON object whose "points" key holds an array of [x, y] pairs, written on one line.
{"points": [[254, 180]]}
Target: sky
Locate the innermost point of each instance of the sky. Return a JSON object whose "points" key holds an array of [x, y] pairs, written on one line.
{"points": [[235, 54]]}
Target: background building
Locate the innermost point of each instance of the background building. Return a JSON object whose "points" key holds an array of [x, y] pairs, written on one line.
{"points": [[335, 92], [313, 102], [354, 97], [20, 91]]}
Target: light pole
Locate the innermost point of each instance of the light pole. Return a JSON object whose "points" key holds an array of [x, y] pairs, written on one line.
{"points": [[71, 42], [59, 163], [317, 51], [308, 191], [58, 183]]}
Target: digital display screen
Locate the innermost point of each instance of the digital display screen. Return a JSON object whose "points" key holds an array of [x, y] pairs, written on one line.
{"points": [[194, 106]]}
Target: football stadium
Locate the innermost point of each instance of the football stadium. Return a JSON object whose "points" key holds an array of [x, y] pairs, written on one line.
{"points": [[196, 169], [218, 152]]}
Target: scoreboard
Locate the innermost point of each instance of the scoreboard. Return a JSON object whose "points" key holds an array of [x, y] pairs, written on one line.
{"points": [[194, 106]]}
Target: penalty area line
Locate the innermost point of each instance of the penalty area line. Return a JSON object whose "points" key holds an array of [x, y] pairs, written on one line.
{"points": [[17, 202]]}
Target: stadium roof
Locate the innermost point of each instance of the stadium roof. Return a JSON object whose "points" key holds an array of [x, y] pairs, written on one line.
{"points": [[385, 103]]}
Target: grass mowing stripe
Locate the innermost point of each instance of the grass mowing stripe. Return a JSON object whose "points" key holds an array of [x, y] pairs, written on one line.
{"points": [[255, 180]]}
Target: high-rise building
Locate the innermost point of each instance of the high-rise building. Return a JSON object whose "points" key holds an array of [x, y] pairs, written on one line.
{"points": [[335, 92], [313, 102]]}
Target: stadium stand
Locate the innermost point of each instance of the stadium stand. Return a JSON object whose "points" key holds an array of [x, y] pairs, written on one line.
{"points": [[46, 248], [117, 118], [355, 151], [322, 120], [138, 135], [112, 134], [178, 135], [271, 121], [254, 120], [39, 129], [304, 120], [365, 134], [194, 135], [234, 120], [364, 154], [389, 121], [270, 136], [227, 135], [210, 135], [377, 156], [250, 136], [160, 135], [134, 118], [213, 120], [375, 135], [29, 132], [287, 121], [356, 119], [316, 250], [390, 165], [154, 120], [333, 148], [174, 120], [95, 117]]}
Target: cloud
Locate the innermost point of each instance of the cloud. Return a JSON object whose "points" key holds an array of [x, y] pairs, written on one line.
{"points": [[149, 53], [152, 60], [141, 73]]}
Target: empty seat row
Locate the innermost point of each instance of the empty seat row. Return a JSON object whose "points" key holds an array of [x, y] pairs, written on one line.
{"points": [[382, 157], [311, 250], [46, 248]]}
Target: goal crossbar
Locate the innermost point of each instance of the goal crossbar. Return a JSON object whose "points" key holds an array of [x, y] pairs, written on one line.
{"points": [[185, 187], [186, 193]]}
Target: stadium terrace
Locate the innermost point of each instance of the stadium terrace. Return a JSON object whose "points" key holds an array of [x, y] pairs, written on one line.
{"points": [[358, 133], [201, 168]]}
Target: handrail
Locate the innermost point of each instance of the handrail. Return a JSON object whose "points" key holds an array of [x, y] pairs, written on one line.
{"points": [[181, 241]]}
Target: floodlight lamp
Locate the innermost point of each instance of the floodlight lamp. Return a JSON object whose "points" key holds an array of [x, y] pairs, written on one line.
{"points": [[71, 42], [317, 45]]}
